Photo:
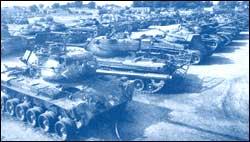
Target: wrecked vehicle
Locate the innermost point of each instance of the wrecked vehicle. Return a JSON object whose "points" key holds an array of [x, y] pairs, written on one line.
{"points": [[147, 61], [185, 38], [61, 92]]}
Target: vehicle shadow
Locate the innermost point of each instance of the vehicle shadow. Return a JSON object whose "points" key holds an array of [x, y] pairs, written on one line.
{"points": [[189, 84], [236, 43], [242, 36], [131, 123], [205, 130], [214, 59], [227, 49], [136, 119]]}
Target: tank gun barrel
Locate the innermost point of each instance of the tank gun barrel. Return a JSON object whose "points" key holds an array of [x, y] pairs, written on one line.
{"points": [[134, 74]]}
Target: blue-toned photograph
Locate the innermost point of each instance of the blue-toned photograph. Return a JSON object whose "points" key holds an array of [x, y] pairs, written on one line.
{"points": [[124, 70]]}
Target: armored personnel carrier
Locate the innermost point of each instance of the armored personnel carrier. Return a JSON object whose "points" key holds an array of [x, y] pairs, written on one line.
{"points": [[61, 92]]}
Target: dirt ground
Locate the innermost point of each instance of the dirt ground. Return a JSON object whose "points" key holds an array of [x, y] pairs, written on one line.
{"points": [[211, 103]]}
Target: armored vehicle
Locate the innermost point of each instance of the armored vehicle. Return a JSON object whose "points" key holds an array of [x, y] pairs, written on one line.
{"points": [[229, 26], [149, 62], [145, 67], [61, 92], [214, 33], [125, 44], [13, 45], [4, 31], [216, 30], [185, 38]]}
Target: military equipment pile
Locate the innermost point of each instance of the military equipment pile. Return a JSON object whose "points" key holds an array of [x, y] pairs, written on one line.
{"points": [[74, 72]]}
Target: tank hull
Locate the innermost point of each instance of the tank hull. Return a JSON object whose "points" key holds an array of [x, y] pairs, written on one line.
{"points": [[56, 106]]}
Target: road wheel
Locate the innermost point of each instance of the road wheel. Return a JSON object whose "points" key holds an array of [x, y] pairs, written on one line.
{"points": [[32, 115], [21, 110], [46, 121], [65, 128]]}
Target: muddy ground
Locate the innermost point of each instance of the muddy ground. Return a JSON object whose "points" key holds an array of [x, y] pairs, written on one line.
{"points": [[211, 103]]}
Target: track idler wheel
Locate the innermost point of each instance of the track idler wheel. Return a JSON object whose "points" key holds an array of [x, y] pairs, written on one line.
{"points": [[139, 84], [154, 86], [11, 105], [32, 115], [47, 120], [65, 128]]}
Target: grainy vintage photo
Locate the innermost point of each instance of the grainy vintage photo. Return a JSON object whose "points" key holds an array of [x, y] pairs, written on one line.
{"points": [[125, 70]]}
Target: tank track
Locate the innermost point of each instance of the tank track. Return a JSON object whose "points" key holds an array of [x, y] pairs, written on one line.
{"points": [[38, 116]]}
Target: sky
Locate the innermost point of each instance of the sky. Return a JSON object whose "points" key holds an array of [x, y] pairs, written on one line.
{"points": [[48, 3]]}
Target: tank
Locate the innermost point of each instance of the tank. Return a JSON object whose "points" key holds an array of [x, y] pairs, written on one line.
{"points": [[228, 27], [4, 31], [13, 45], [148, 62], [216, 31], [74, 34], [224, 31], [89, 28], [14, 19], [33, 29], [153, 43], [78, 34], [206, 31], [181, 36], [61, 93]]}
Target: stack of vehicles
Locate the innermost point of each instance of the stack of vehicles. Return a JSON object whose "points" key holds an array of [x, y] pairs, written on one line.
{"points": [[212, 32], [191, 41], [72, 74]]}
